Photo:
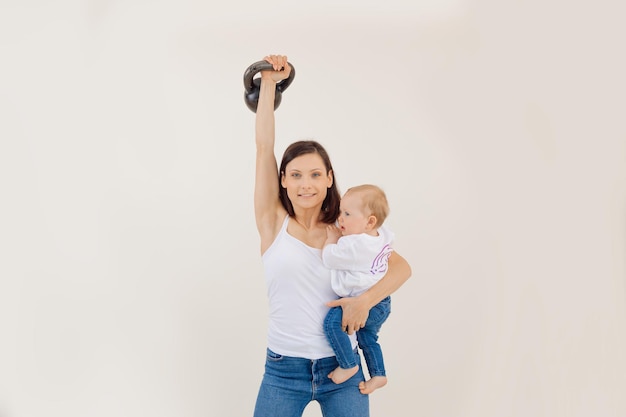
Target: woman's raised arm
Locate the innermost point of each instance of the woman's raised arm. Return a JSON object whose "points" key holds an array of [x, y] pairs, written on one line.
{"points": [[267, 207]]}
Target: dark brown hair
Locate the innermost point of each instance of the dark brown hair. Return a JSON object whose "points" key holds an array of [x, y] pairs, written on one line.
{"points": [[330, 206]]}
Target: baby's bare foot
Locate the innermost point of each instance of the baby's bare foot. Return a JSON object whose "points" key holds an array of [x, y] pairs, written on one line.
{"points": [[367, 387], [340, 375]]}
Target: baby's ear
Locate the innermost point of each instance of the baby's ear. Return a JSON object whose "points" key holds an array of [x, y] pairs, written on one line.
{"points": [[371, 222]]}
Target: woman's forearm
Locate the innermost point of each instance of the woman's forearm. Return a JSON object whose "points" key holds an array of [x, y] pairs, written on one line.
{"points": [[265, 124], [398, 273], [356, 309]]}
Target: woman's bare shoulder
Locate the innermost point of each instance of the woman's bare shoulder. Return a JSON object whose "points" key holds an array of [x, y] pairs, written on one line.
{"points": [[270, 226]]}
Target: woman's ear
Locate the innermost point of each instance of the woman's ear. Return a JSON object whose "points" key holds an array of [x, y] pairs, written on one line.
{"points": [[330, 178], [282, 179]]}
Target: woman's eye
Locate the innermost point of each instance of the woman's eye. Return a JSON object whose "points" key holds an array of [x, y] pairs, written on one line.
{"points": [[316, 174], [295, 175]]}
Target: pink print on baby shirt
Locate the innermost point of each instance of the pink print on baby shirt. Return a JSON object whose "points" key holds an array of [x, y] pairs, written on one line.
{"points": [[380, 261]]}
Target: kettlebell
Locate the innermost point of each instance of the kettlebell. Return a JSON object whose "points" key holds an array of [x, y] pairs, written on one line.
{"points": [[253, 85]]}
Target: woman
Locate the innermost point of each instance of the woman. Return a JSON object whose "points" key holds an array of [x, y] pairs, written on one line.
{"points": [[293, 206]]}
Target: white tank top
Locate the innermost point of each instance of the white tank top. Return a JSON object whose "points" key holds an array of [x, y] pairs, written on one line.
{"points": [[298, 288]]}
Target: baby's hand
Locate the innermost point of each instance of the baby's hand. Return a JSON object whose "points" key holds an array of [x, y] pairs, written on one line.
{"points": [[332, 233]]}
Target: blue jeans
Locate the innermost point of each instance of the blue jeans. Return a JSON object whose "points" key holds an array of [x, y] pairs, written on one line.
{"points": [[367, 338], [289, 384]]}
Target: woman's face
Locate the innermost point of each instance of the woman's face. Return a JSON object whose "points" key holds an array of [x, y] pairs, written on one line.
{"points": [[306, 181]]}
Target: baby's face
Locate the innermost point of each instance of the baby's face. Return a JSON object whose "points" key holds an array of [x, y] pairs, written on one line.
{"points": [[352, 218]]}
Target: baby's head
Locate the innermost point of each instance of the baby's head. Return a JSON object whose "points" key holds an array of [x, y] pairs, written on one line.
{"points": [[363, 209]]}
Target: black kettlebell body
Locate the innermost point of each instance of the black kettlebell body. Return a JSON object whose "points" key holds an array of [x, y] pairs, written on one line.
{"points": [[253, 85]]}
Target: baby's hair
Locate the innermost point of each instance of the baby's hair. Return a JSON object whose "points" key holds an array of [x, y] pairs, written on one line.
{"points": [[374, 199]]}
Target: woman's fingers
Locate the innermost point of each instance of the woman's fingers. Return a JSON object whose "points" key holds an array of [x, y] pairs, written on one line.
{"points": [[283, 63], [355, 313], [279, 62], [280, 69]]}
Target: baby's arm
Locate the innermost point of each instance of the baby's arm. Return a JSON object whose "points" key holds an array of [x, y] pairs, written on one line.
{"points": [[339, 251], [332, 234]]}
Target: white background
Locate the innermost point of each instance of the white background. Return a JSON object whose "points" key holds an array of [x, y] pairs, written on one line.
{"points": [[130, 271]]}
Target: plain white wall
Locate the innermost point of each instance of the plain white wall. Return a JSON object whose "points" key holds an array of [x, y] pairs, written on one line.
{"points": [[131, 280]]}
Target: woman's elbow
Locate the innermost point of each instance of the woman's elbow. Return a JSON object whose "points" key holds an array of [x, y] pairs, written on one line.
{"points": [[402, 264]]}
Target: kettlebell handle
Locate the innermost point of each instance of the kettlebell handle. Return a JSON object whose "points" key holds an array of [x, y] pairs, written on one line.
{"points": [[252, 86], [259, 66]]}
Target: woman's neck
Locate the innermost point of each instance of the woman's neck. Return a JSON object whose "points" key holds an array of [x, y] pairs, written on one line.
{"points": [[308, 219]]}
